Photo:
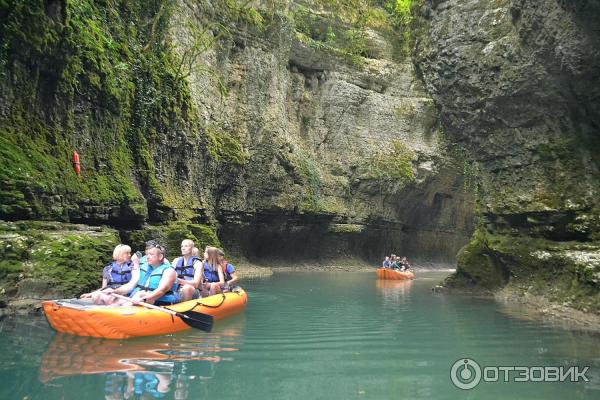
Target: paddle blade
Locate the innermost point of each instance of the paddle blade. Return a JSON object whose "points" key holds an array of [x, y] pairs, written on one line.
{"points": [[197, 320]]}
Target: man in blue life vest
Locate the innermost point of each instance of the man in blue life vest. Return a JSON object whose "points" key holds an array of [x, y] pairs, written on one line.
{"points": [[157, 282], [189, 271], [153, 282]]}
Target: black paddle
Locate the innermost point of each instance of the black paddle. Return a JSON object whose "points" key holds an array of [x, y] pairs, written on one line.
{"points": [[192, 318]]}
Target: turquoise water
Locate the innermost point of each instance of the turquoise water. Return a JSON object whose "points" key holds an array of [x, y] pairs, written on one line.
{"points": [[317, 335]]}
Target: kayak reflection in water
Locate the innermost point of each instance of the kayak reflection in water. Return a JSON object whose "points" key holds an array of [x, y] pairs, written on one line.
{"points": [[146, 367], [141, 384]]}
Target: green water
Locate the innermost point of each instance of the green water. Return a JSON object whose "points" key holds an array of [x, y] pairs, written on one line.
{"points": [[305, 336]]}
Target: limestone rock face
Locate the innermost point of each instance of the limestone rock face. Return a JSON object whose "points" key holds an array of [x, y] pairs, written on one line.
{"points": [[283, 125], [312, 124], [517, 84]]}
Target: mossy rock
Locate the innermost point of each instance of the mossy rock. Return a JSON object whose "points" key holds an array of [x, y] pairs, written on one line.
{"points": [[477, 261], [67, 258], [170, 235]]}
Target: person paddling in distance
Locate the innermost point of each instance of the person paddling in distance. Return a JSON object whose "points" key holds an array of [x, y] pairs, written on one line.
{"points": [[189, 271], [153, 282], [229, 273], [117, 273], [212, 273]]}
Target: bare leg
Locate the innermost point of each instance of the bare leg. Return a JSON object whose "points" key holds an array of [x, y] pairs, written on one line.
{"points": [[215, 288], [187, 292]]}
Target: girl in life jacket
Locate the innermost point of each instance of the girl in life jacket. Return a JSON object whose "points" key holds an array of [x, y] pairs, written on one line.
{"points": [[229, 273], [212, 273], [118, 272]]}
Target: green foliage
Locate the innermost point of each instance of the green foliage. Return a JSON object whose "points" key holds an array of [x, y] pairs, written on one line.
{"points": [[393, 164], [244, 13], [402, 12], [342, 33]]}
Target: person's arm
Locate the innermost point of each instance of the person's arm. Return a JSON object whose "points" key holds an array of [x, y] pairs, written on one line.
{"points": [[129, 286], [221, 275], [179, 280], [165, 284], [234, 277], [197, 275], [104, 282]]}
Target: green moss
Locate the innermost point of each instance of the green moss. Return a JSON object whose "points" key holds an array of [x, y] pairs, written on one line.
{"points": [[566, 273], [479, 263], [68, 258], [71, 263], [393, 164], [224, 148], [109, 60], [312, 183]]}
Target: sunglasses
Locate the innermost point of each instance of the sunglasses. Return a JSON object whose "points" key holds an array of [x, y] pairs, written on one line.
{"points": [[157, 246]]}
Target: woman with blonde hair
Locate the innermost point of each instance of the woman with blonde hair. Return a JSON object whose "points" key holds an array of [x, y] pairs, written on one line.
{"points": [[118, 272]]}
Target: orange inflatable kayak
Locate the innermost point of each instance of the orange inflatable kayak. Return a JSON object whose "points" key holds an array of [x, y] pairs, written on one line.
{"points": [[82, 318], [387, 273]]}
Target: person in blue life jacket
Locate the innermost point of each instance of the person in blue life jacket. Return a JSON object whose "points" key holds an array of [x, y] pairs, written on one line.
{"points": [[386, 263], [189, 271], [117, 273], [229, 273], [212, 273], [153, 282]]}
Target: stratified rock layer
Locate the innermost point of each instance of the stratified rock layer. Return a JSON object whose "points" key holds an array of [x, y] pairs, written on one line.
{"points": [[518, 87]]}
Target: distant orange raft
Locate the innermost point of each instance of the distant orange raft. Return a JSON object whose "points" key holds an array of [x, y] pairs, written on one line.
{"points": [[82, 318], [392, 274]]}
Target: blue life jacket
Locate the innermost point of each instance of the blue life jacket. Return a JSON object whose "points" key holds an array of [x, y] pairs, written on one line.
{"points": [[386, 264], [186, 271], [208, 274], [227, 271], [150, 280], [120, 274]]}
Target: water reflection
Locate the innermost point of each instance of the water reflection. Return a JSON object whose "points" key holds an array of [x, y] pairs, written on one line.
{"points": [[147, 367], [394, 292]]}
